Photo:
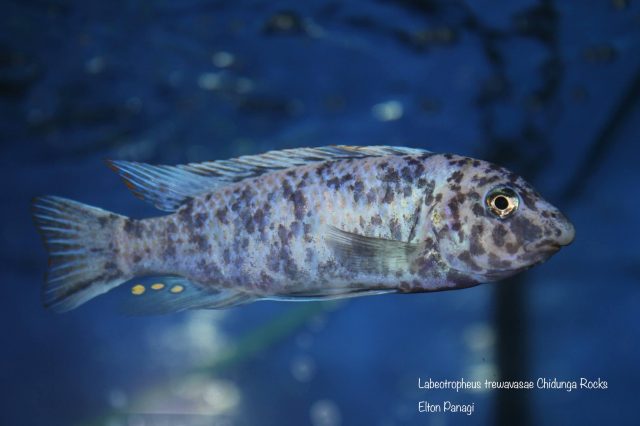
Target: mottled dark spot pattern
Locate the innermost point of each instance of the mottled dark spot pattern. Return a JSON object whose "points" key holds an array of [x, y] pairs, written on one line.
{"points": [[524, 230], [466, 257], [259, 219], [199, 219], [485, 180], [287, 189], [475, 244], [269, 235], [477, 210], [334, 183], [459, 279], [133, 227], [395, 229], [498, 234], [209, 268], [299, 204], [407, 175], [497, 263], [388, 196], [391, 176], [455, 177], [221, 214], [511, 248], [428, 190], [528, 198], [357, 189], [200, 241], [185, 212]]}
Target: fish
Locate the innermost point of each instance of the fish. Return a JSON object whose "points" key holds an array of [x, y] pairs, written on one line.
{"points": [[300, 224]]}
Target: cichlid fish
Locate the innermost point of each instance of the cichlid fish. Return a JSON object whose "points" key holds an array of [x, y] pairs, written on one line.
{"points": [[300, 224]]}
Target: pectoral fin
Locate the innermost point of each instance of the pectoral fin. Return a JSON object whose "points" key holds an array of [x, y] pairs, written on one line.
{"points": [[369, 254]]}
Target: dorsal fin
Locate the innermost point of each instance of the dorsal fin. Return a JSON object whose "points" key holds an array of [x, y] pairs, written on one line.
{"points": [[168, 187], [246, 166]]}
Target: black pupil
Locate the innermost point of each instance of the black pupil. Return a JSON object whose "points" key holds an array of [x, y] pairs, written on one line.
{"points": [[501, 202]]}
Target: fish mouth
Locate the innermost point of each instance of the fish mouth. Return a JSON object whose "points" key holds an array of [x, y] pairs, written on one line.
{"points": [[538, 254], [492, 275], [550, 249], [527, 260]]}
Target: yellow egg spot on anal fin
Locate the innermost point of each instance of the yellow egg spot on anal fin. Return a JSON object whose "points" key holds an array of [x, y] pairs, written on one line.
{"points": [[177, 289], [137, 289], [157, 286], [435, 218]]}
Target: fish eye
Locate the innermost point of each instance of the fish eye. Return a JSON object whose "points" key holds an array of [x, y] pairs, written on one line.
{"points": [[502, 202]]}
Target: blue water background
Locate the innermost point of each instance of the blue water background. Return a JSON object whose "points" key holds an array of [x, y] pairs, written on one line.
{"points": [[549, 88]]}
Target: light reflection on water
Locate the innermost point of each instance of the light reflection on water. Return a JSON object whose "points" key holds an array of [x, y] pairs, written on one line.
{"points": [[185, 348], [193, 352], [191, 342]]}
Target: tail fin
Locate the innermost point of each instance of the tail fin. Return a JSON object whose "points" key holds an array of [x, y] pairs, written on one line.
{"points": [[82, 252]]}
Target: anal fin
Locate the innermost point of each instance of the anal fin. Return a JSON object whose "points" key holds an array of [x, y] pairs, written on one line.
{"points": [[163, 295]]}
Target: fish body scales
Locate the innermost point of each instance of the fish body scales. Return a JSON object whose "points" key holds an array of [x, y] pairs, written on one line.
{"points": [[267, 234]]}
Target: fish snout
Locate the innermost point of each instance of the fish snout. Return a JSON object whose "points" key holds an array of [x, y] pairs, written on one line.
{"points": [[560, 231], [567, 231]]}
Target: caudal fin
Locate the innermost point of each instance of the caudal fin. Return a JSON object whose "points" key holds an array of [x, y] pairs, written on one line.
{"points": [[82, 251]]}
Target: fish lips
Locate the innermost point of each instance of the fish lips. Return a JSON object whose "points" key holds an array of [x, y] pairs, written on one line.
{"points": [[529, 259], [497, 275], [537, 254]]}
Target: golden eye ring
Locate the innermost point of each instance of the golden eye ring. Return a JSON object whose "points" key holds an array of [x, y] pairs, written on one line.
{"points": [[502, 202]]}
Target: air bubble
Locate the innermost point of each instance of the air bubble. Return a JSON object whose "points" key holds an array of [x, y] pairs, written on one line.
{"points": [[209, 81], [388, 111], [303, 368], [222, 59], [325, 413]]}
